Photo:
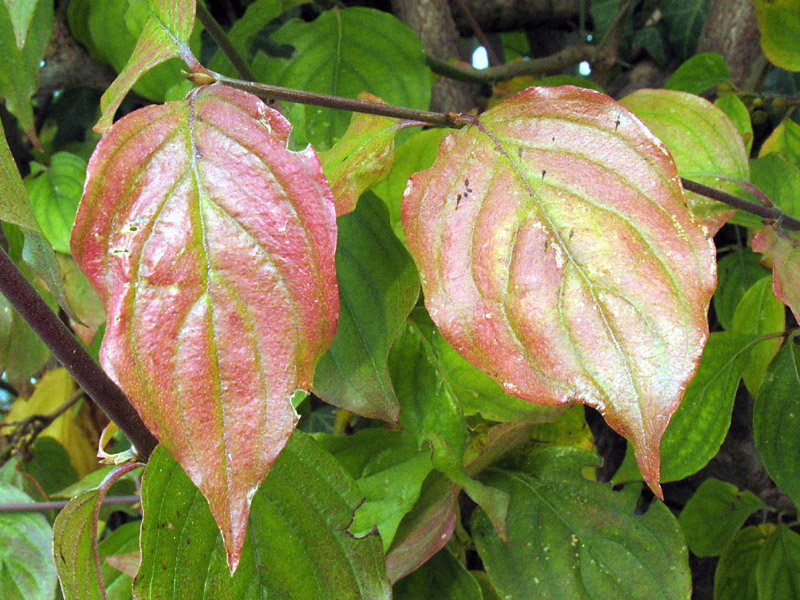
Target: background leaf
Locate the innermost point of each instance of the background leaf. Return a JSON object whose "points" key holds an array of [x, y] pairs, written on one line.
{"points": [[784, 249], [577, 539], [123, 540], [378, 287], [297, 546], [735, 576], [776, 415], [699, 73], [702, 140], [778, 570], [26, 565], [442, 573], [344, 52], [779, 22], [714, 514], [737, 271], [227, 226], [603, 319], [684, 20]]}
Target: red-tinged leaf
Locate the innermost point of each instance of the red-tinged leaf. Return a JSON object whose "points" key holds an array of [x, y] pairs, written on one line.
{"points": [[557, 255], [212, 247], [784, 249], [361, 158], [165, 35]]}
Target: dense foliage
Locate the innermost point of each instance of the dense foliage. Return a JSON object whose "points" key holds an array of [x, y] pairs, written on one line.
{"points": [[401, 326]]}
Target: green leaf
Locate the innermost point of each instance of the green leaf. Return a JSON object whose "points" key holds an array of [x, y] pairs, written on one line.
{"points": [[784, 249], [226, 225], [778, 569], [699, 73], [779, 179], [15, 208], [576, 539], [378, 287], [785, 139], [415, 154], [699, 426], [431, 412], [25, 353], [19, 69], [297, 546], [610, 321], [702, 140], [779, 22], [776, 418], [651, 40], [21, 13], [344, 52], [50, 466], [684, 20], [165, 35], [759, 312], [55, 193], [26, 564], [737, 112], [735, 577], [122, 541], [426, 529], [737, 271], [714, 514], [442, 574], [361, 158], [389, 469]]}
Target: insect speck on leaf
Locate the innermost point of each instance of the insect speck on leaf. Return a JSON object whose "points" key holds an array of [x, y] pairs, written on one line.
{"points": [[458, 201], [544, 172], [520, 151], [617, 123]]}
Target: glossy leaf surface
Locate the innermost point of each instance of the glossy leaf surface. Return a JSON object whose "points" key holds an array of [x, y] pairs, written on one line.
{"points": [[574, 539], [779, 22], [165, 35], [297, 546], [345, 52], [362, 157], [714, 514], [703, 141], [776, 420], [26, 565], [378, 287], [557, 255], [216, 269], [735, 577]]}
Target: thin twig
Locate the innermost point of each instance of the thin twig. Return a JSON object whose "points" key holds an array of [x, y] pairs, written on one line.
{"points": [[225, 44], [86, 372], [60, 504], [547, 65], [766, 212], [494, 60]]}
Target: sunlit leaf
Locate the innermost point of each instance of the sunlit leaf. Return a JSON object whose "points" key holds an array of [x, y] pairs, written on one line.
{"points": [[737, 112], [345, 52], [735, 576], [425, 530], [55, 193], [216, 269], [389, 468], [165, 35], [443, 574], [785, 138], [779, 178], [26, 564], [714, 514], [362, 157], [578, 539], [776, 418], [378, 287], [779, 22], [785, 252], [703, 141], [699, 73], [512, 231], [298, 545], [759, 313], [778, 569]]}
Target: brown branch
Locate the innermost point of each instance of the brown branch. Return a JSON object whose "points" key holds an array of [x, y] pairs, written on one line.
{"points": [[218, 34], [60, 504], [52, 331]]}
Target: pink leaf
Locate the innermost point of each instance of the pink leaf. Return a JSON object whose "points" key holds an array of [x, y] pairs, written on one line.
{"points": [[558, 256], [212, 247], [784, 248]]}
